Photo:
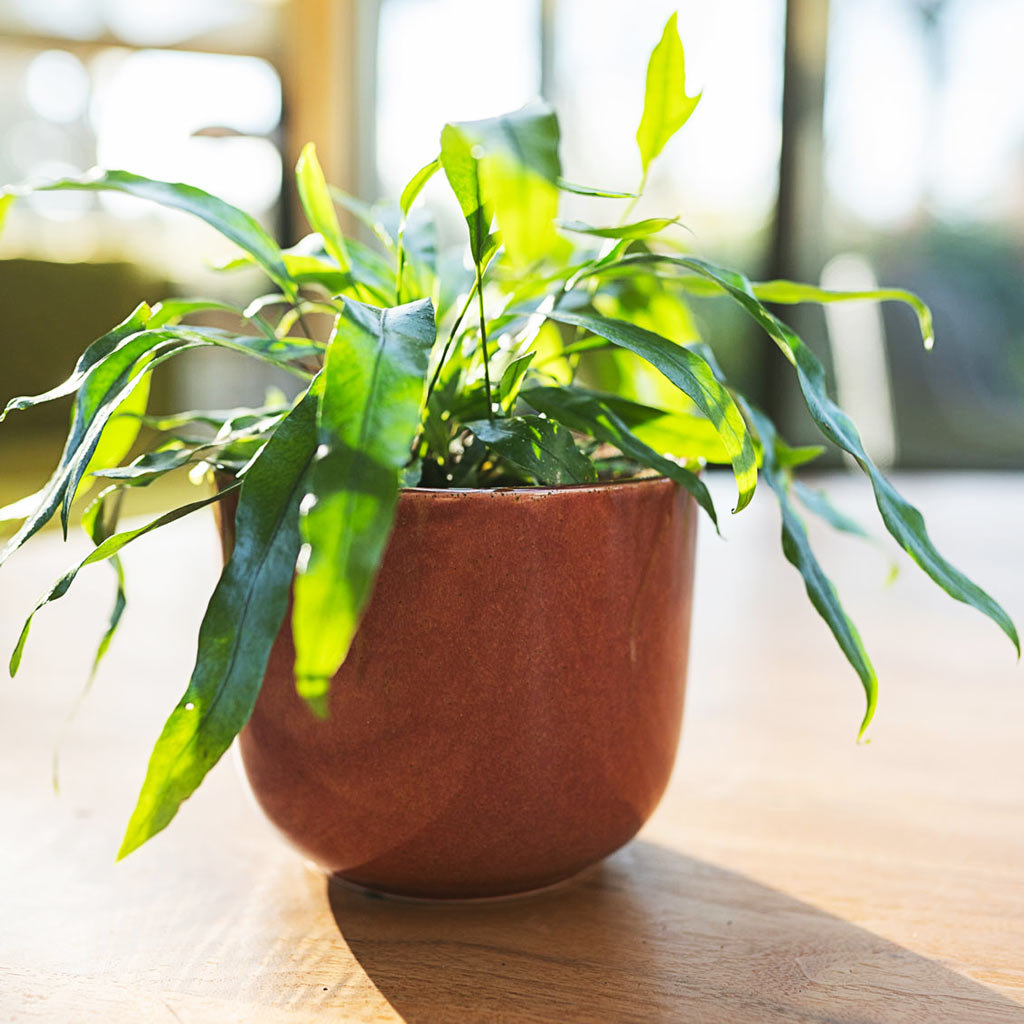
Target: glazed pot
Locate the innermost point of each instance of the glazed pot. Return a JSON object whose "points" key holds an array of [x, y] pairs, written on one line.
{"points": [[511, 705]]}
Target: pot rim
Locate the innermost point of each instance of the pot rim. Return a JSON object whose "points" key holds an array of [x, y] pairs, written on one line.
{"points": [[599, 486]]}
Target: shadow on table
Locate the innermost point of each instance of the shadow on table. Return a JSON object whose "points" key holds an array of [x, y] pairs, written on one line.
{"points": [[651, 936]]}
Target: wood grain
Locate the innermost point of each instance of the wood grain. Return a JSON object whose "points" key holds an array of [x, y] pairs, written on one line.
{"points": [[789, 874]]}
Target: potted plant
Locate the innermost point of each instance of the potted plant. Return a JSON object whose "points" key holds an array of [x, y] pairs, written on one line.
{"points": [[452, 622]]}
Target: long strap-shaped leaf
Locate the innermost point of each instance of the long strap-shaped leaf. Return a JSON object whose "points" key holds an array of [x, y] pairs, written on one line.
{"points": [[692, 375], [108, 383], [238, 630], [106, 549], [374, 383], [136, 321], [902, 520], [242, 229], [589, 415], [796, 546]]}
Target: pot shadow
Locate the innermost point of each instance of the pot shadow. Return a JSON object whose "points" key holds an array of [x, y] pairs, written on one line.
{"points": [[649, 936]]}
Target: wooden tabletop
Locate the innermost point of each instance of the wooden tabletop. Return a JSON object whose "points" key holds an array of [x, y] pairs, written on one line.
{"points": [[790, 874]]}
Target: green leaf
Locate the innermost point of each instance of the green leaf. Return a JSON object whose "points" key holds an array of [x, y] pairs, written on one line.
{"points": [[692, 375], [462, 169], [120, 434], [317, 204], [903, 521], [540, 448], [107, 549], [374, 384], [586, 190], [512, 376], [151, 465], [821, 505], [101, 526], [136, 321], [638, 229], [584, 412], [241, 623], [510, 165], [416, 183], [666, 105], [109, 382], [797, 549], [791, 292], [170, 311], [232, 223], [679, 434]]}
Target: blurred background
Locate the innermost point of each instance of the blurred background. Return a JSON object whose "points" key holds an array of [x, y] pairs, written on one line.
{"points": [[843, 141]]}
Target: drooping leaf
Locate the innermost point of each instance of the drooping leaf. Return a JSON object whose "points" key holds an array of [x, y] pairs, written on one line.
{"points": [[136, 321], [543, 450], [821, 505], [241, 622], [692, 375], [109, 382], [791, 292], [100, 522], [587, 414], [797, 549], [903, 521], [120, 434], [232, 223], [638, 229], [666, 106], [107, 549], [374, 385]]}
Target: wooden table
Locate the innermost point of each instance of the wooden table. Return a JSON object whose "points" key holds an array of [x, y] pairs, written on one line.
{"points": [[789, 874]]}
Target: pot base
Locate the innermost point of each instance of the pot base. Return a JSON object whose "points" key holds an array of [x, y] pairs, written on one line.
{"points": [[508, 897]]}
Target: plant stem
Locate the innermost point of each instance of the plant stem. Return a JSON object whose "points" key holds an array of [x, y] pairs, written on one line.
{"points": [[400, 263], [448, 343], [483, 340]]}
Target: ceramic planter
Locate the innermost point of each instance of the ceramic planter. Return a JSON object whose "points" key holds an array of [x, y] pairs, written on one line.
{"points": [[510, 709]]}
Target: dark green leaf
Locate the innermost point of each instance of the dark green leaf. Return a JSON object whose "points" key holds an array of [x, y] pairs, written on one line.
{"points": [[540, 448], [107, 549], [797, 549], [692, 375], [587, 414], [903, 521], [666, 105], [136, 321], [374, 378], [821, 505], [241, 622]]}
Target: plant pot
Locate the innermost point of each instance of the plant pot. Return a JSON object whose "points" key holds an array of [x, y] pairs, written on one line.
{"points": [[511, 705]]}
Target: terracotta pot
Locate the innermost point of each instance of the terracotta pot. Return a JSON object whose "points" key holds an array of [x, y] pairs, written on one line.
{"points": [[510, 709]]}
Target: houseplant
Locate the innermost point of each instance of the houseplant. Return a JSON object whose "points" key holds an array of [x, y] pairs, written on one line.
{"points": [[443, 388]]}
